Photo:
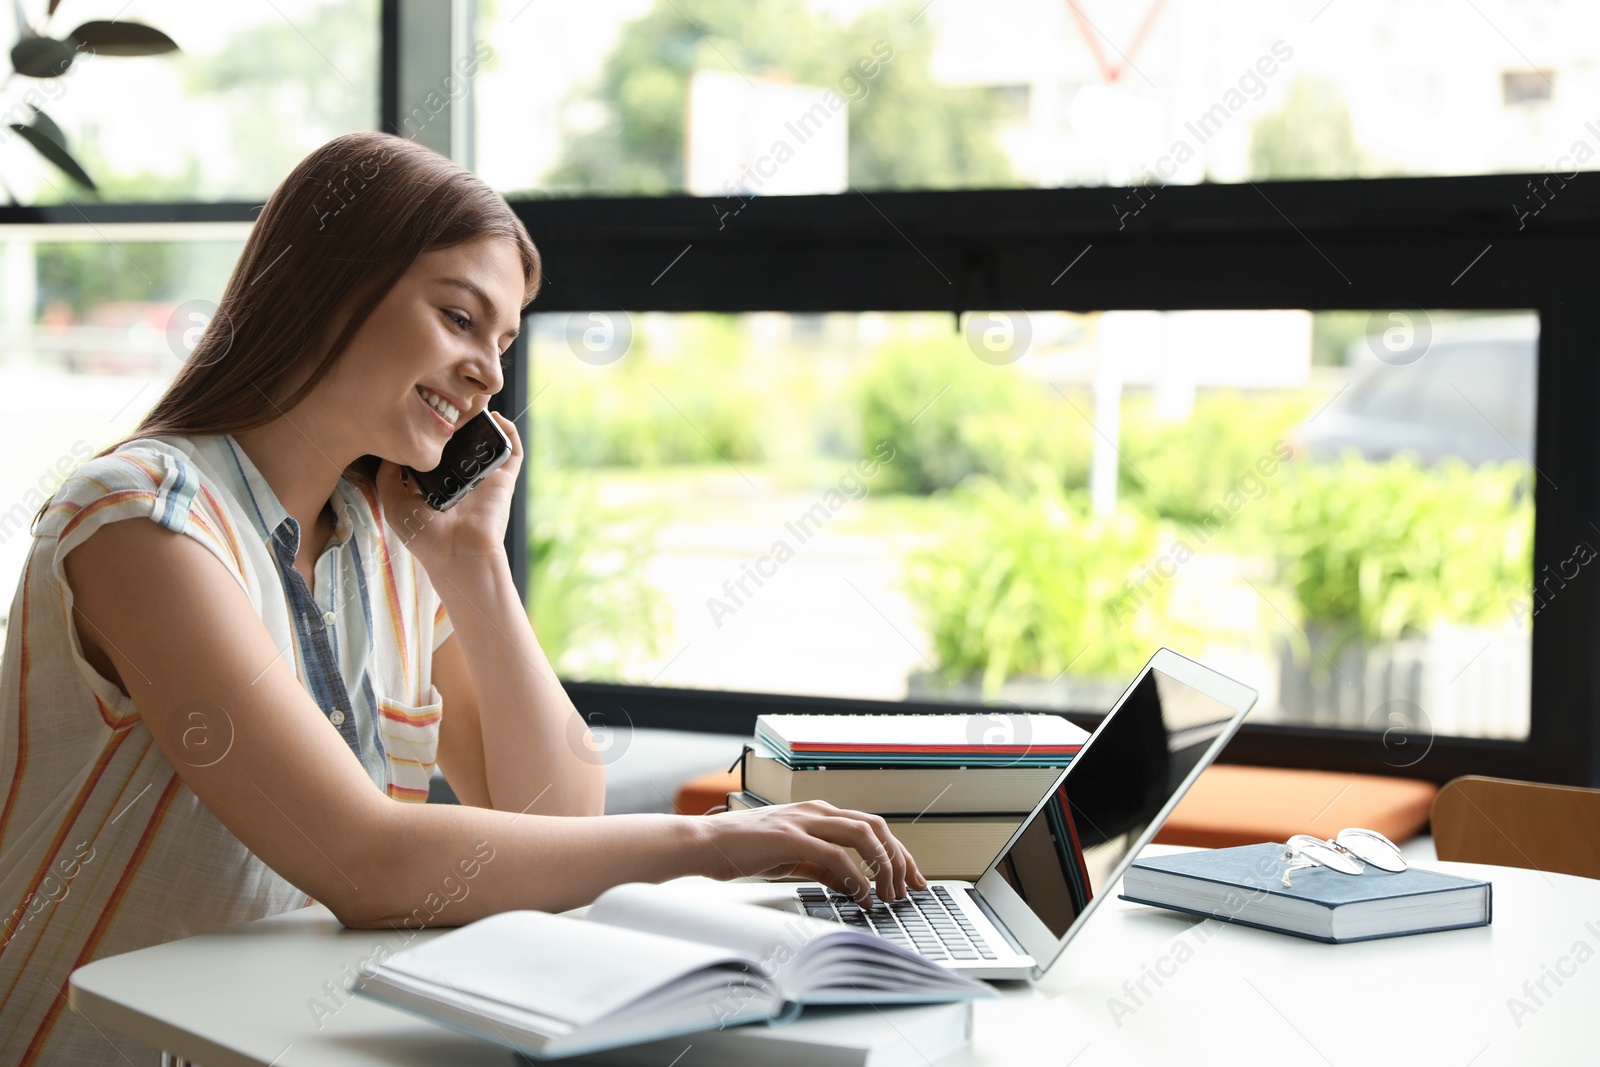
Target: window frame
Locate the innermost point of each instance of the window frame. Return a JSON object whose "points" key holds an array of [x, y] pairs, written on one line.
{"points": [[1437, 243]]}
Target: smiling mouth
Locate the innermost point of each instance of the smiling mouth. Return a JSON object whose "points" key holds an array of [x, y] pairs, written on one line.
{"points": [[435, 412]]}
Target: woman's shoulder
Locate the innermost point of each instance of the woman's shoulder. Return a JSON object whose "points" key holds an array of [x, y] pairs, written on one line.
{"points": [[154, 473], [141, 465]]}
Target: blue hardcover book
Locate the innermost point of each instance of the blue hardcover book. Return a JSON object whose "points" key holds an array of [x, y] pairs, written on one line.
{"points": [[1243, 885]]}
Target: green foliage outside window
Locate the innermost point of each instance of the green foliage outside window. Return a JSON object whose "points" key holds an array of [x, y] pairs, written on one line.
{"points": [[905, 132], [1228, 445], [702, 403], [1032, 583], [1311, 137], [949, 415], [1374, 551], [589, 598]]}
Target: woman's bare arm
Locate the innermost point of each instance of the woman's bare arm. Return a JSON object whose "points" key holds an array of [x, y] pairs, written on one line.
{"points": [[460, 735], [535, 755], [192, 653]]}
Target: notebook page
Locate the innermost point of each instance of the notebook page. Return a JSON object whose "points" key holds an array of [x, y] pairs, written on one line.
{"points": [[767, 936], [569, 969]]}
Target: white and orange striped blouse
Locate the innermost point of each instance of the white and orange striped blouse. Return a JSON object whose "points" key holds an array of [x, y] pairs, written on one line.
{"points": [[103, 849]]}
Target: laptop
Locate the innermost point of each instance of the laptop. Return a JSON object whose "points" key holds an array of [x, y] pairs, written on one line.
{"points": [[1067, 856]]}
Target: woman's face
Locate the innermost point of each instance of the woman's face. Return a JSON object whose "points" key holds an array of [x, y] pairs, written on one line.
{"points": [[438, 334]]}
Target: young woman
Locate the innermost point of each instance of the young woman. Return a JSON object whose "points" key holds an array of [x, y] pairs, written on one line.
{"points": [[231, 708]]}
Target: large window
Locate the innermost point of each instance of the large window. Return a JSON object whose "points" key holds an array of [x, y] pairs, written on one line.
{"points": [[716, 97], [1335, 507], [827, 461], [1093, 401]]}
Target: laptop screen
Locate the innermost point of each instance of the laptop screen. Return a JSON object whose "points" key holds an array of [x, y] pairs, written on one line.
{"points": [[1074, 848]]}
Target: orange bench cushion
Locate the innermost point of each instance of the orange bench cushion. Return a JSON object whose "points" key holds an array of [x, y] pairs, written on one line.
{"points": [[1233, 805], [1228, 805], [707, 792]]}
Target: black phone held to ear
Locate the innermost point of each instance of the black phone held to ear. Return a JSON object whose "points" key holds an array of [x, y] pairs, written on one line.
{"points": [[471, 455]]}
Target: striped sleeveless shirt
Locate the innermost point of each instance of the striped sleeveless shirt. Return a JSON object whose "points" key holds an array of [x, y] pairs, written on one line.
{"points": [[103, 849]]}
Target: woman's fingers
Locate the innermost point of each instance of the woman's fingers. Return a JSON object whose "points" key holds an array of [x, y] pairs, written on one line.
{"points": [[515, 462], [911, 876], [842, 874], [822, 843], [814, 839], [921, 880], [835, 876], [869, 836], [510, 429], [816, 872], [878, 859], [905, 875], [898, 857], [905, 864]]}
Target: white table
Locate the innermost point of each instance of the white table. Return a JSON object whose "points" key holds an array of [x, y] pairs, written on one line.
{"points": [[242, 996]]}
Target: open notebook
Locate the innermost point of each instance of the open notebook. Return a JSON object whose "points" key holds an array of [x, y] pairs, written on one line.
{"points": [[648, 961]]}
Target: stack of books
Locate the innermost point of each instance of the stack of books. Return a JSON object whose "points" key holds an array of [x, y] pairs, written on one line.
{"points": [[954, 788]]}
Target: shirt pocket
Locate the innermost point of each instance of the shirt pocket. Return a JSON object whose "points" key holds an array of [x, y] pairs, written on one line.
{"points": [[410, 736]]}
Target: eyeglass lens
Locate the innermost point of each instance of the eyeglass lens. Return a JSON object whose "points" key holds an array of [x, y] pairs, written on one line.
{"points": [[1372, 847], [1325, 853]]}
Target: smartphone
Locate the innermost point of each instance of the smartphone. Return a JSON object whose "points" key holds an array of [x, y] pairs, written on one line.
{"points": [[471, 455]]}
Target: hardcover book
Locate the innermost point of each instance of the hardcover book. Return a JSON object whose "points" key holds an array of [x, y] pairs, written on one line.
{"points": [[1244, 885], [944, 846], [908, 1035], [953, 739], [899, 788]]}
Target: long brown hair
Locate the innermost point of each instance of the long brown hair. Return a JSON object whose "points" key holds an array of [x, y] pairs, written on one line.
{"points": [[334, 237]]}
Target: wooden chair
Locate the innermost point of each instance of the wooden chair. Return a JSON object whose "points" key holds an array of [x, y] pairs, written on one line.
{"points": [[1519, 824]]}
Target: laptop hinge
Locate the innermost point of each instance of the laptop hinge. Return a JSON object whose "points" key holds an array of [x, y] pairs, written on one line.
{"points": [[994, 920]]}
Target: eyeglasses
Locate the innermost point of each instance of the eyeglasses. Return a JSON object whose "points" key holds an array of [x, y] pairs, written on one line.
{"points": [[1349, 853]]}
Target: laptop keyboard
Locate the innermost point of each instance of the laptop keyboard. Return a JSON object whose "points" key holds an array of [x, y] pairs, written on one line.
{"points": [[927, 921]]}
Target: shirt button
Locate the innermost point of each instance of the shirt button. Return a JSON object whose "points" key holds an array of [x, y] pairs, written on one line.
{"points": [[336, 717], [328, 618]]}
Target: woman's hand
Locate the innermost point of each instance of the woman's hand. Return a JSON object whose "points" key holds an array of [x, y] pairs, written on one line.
{"points": [[809, 839], [474, 529]]}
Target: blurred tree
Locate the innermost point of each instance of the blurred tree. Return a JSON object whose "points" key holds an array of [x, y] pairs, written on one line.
{"points": [[912, 132], [1332, 333], [907, 132], [82, 274], [283, 95], [1310, 137], [949, 415]]}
